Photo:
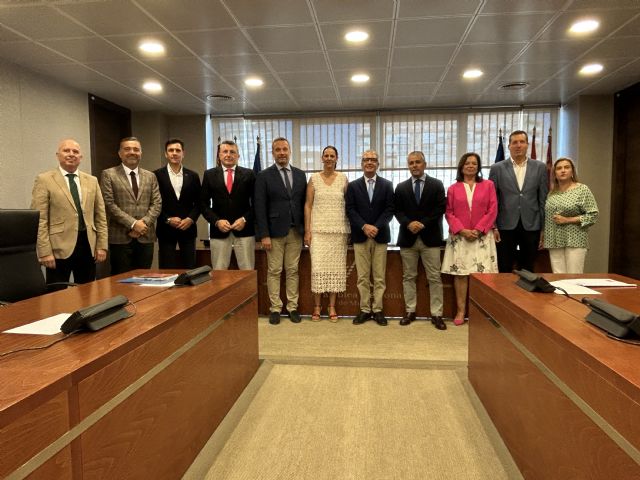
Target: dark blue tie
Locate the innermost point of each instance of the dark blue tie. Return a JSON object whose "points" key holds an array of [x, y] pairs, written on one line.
{"points": [[416, 190]]}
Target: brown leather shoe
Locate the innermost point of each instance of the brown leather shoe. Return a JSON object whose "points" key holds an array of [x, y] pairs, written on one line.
{"points": [[408, 318], [438, 323]]}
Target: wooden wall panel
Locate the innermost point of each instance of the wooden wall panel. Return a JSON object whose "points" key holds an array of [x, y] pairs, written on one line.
{"points": [[57, 467], [158, 431], [547, 435], [29, 434]]}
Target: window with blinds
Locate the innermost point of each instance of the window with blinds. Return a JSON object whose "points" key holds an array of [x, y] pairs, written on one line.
{"points": [[442, 137]]}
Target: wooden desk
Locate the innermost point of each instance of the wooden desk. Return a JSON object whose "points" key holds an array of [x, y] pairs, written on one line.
{"points": [[564, 397], [138, 399]]}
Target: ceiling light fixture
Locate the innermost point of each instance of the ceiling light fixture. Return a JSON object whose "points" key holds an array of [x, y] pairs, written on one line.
{"points": [[584, 26], [591, 69], [356, 36], [360, 78], [473, 73], [152, 87], [254, 82], [151, 47]]}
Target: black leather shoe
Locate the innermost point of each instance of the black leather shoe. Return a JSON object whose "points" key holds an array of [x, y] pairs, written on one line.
{"points": [[408, 318], [438, 323], [294, 315], [361, 317], [274, 318], [379, 318]]}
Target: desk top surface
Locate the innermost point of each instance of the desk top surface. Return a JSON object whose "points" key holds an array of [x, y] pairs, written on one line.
{"points": [[29, 374]]}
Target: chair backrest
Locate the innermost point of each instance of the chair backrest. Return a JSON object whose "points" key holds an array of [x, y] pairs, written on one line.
{"points": [[21, 276]]}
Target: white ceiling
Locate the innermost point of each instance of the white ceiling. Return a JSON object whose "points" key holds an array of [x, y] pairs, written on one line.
{"points": [[415, 55]]}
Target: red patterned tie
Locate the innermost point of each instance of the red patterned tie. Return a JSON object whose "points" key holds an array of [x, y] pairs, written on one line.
{"points": [[229, 179]]}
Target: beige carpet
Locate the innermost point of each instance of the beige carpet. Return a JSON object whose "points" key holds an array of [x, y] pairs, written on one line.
{"points": [[418, 344], [324, 422], [338, 401]]}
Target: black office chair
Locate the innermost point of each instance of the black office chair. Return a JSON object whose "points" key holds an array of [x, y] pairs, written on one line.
{"points": [[21, 272]]}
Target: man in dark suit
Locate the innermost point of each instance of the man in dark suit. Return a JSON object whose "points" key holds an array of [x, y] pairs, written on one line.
{"points": [[521, 186], [133, 203], [72, 234], [420, 203], [227, 204], [279, 208], [369, 204], [180, 192]]}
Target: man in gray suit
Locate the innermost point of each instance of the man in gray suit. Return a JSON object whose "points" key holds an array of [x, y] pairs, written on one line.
{"points": [[279, 212], [133, 203], [521, 186]]}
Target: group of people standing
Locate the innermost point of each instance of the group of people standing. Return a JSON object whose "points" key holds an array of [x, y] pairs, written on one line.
{"points": [[494, 224]]}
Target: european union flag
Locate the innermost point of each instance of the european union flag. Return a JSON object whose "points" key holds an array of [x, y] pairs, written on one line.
{"points": [[256, 161], [500, 152]]}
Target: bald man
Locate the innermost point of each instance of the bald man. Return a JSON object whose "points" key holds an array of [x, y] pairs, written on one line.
{"points": [[72, 234]]}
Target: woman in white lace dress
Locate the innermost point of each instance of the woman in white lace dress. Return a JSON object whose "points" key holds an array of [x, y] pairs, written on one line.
{"points": [[326, 232]]}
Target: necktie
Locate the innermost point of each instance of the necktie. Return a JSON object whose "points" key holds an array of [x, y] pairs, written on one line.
{"points": [[416, 190], [134, 184], [229, 179], [370, 190], [76, 199], [287, 183]]}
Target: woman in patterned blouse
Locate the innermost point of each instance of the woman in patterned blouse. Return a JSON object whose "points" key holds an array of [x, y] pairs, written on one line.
{"points": [[569, 211]]}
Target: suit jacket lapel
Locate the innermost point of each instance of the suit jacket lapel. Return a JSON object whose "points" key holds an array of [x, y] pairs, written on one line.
{"points": [[84, 187], [511, 172], [125, 181], [64, 186]]}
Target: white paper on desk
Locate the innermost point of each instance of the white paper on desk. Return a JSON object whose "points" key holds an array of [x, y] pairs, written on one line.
{"points": [[572, 288], [168, 283], [46, 326], [598, 282]]}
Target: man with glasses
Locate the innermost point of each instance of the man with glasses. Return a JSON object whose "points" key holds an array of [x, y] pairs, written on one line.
{"points": [[369, 204]]}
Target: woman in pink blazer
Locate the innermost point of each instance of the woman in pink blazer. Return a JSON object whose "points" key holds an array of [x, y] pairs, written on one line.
{"points": [[471, 214]]}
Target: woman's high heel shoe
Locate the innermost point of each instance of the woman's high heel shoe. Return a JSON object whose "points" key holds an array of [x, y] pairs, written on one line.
{"points": [[315, 316], [333, 316]]}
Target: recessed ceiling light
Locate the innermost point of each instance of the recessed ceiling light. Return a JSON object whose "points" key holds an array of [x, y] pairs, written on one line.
{"points": [[254, 82], [473, 73], [152, 87], [591, 69], [584, 26], [356, 36], [360, 78], [151, 47]]}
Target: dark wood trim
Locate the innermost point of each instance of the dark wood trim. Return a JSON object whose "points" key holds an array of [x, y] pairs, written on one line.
{"points": [[625, 177]]}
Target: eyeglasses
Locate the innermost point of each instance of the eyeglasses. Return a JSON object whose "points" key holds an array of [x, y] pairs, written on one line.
{"points": [[369, 159]]}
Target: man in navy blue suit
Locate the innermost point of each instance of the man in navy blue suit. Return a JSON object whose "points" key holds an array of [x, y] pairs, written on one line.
{"points": [[279, 208], [369, 204], [180, 192], [420, 203]]}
